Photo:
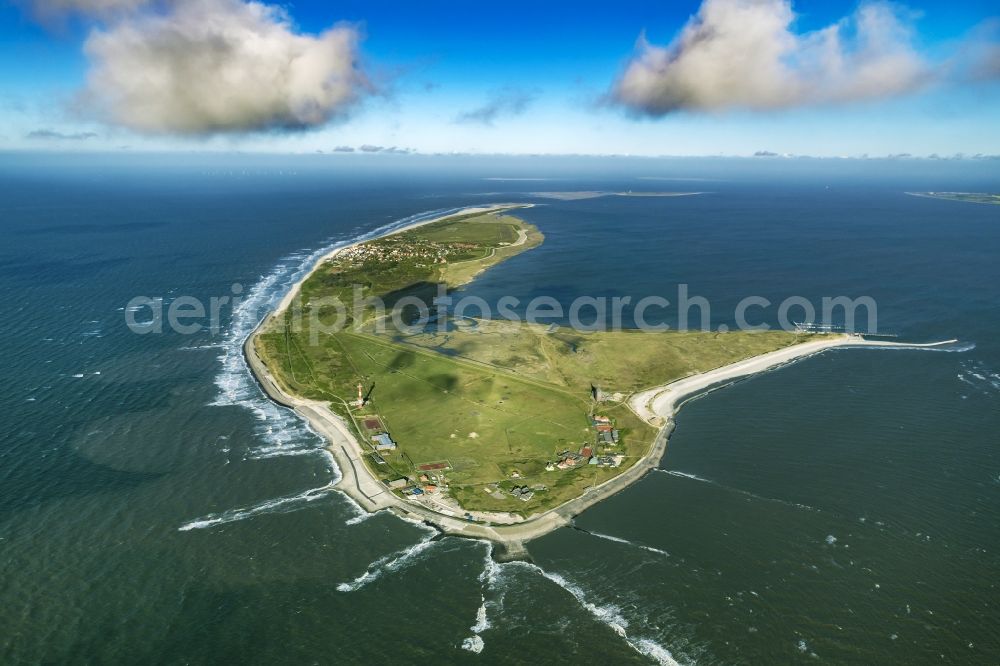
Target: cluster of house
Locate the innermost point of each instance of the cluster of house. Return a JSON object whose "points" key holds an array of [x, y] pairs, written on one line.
{"points": [[393, 249], [524, 493], [608, 461], [569, 459], [426, 484], [585, 456], [410, 489], [383, 251], [430, 483], [606, 432], [607, 436]]}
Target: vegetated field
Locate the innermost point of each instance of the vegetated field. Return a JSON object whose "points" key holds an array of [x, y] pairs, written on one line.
{"points": [[315, 364], [624, 361], [496, 401], [487, 425]]}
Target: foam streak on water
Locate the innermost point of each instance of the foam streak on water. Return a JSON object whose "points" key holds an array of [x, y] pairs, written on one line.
{"points": [[360, 515], [389, 563], [608, 614], [488, 578], [283, 432], [475, 642], [952, 348], [982, 378], [640, 546], [419, 524], [695, 477], [358, 519], [277, 505]]}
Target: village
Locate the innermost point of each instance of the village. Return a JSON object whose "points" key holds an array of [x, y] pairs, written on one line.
{"points": [[391, 249]]}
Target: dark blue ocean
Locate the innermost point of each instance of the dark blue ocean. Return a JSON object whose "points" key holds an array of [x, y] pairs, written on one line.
{"points": [[155, 508]]}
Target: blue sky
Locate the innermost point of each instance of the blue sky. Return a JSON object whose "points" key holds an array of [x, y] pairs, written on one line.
{"points": [[512, 77]]}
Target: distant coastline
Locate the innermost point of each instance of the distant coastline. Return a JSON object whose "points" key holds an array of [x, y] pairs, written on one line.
{"points": [[594, 194], [967, 197]]}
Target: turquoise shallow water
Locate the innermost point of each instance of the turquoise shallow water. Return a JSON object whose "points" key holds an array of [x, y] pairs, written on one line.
{"points": [[153, 507]]}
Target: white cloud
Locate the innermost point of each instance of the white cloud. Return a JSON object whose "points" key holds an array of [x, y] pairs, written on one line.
{"points": [[213, 66], [745, 54]]}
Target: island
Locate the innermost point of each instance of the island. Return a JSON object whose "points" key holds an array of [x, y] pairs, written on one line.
{"points": [[968, 197], [485, 428]]}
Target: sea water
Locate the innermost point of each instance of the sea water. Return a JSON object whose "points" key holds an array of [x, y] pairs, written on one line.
{"points": [[154, 507]]}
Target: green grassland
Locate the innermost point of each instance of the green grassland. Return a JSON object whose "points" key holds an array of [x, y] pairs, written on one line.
{"points": [[317, 365], [496, 401], [624, 360]]}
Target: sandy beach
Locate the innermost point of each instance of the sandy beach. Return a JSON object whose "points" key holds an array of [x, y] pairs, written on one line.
{"points": [[663, 402]]}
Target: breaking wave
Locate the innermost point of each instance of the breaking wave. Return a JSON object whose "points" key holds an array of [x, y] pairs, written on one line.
{"points": [[494, 576], [608, 614], [475, 642], [277, 505], [482, 621], [959, 347], [980, 377], [419, 524], [360, 514], [488, 579], [281, 430], [360, 518], [389, 563]]}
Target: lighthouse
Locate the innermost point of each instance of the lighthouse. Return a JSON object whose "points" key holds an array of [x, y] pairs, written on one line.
{"points": [[361, 396]]}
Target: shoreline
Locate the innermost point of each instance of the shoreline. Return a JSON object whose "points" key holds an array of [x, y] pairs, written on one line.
{"points": [[656, 406], [287, 299], [666, 400]]}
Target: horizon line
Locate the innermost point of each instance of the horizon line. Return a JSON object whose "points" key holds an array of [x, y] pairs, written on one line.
{"points": [[357, 153]]}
